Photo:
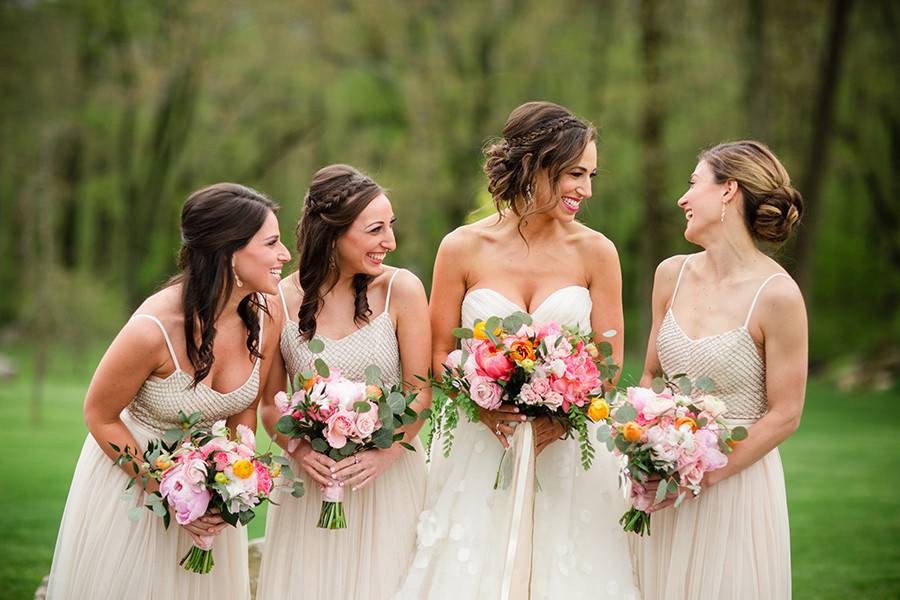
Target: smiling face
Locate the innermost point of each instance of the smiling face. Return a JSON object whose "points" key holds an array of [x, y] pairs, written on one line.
{"points": [[574, 185], [702, 203], [259, 263], [362, 248]]}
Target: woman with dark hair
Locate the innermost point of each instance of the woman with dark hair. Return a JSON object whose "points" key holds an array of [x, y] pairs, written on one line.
{"points": [[533, 256], [741, 322], [195, 346], [366, 313]]}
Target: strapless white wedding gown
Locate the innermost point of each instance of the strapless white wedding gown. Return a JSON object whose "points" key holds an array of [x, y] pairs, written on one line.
{"points": [[578, 549]]}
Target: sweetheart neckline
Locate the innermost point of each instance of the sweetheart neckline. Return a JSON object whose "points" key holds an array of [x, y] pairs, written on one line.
{"points": [[552, 294]]}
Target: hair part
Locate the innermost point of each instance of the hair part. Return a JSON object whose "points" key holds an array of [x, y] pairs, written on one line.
{"points": [[538, 136], [216, 221], [336, 197], [772, 207]]}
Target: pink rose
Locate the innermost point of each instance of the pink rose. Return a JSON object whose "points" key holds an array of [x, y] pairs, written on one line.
{"points": [[454, 360], [221, 460], [188, 498], [486, 393], [367, 422], [656, 406], [339, 427], [553, 399], [491, 363], [540, 385], [640, 499], [282, 403]]}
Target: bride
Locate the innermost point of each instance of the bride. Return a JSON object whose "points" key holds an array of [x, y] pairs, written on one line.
{"points": [[533, 256]]}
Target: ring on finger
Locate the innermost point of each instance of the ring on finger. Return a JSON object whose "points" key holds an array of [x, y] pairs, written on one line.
{"points": [[356, 460]]}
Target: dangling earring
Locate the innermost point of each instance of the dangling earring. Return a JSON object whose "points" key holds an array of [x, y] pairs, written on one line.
{"points": [[722, 220], [529, 197], [237, 280], [331, 262]]}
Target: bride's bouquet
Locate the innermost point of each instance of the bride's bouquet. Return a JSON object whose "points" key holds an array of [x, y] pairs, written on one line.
{"points": [[546, 370], [340, 418], [672, 433], [202, 469]]}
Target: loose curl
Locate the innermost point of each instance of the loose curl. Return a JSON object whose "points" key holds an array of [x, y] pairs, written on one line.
{"points": [[216, 221], [336, 196], [772, 207], [537, 136]]}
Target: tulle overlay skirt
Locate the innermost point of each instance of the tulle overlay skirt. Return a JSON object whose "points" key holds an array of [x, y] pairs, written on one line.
{"points": [[100, 553], [578, 549], [733, 541], [366, 560]]}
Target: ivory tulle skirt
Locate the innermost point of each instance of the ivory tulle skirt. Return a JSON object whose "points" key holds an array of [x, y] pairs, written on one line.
{"points": [[101, 554], [573, 544], [733, 541], [364, 561]]}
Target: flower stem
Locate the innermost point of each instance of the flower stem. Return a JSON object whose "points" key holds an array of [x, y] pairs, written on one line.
{"points": [[332, 516]]}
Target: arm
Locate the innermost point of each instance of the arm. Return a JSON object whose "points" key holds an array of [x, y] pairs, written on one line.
{"points": [[782, 318], [414, 339], [663, 285], [605, 286]]}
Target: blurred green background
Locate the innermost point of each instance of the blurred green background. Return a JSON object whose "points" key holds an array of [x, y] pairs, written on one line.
{"points": [[112, 112]]}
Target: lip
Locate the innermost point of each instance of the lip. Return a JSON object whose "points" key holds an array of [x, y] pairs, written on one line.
{"points": [[571, 204], [380, 257]]}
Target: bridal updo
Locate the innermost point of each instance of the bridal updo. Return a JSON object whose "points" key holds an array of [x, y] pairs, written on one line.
{"points": [[772, 207], [537, 136], [336, 196]]}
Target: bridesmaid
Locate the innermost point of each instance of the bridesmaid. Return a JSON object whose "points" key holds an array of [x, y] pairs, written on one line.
{"points": [[212, 320], [341, 282], [731, 313]]}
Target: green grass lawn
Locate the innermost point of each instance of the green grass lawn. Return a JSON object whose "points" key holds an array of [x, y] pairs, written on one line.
{"points": [[841, 468]]}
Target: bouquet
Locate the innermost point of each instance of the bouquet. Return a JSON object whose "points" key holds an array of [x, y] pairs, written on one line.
{"points": [[340, 418], [547, 370], [673, 433], [199, 469]]}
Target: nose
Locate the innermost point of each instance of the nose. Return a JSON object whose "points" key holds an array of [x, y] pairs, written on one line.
{"points": [[389, 242], [284, 255], [682, 202], [584, 188]]}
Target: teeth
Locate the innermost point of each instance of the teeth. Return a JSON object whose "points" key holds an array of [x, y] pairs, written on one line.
{"points": [[688, 214], [573, 204], [374, 256]]}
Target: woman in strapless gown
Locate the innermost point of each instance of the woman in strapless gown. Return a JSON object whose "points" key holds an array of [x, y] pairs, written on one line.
{"points": [[731, 313], [343, 238], [151, 372], [559, 539]]}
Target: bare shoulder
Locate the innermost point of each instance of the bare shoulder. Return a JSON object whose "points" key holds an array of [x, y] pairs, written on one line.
{"points": [[143, 336], [407, 288], [781, 295], [666, 276], [591, 242], [465, 241], [293, 295]]}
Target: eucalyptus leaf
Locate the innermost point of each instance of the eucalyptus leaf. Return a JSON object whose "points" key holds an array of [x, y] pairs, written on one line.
{"points": [[463, 333], [362, 406], [319, 445], [383, 438], [625, 413], [705, 385], [661, 491], [739, 433], [605, 349], [673, 486], [373, 375], [298, 490], [285, 425], [347, 449], [316, 346], [684, 384], [134, 513], [425, 414], [680, 499], [603, 432], [397, 402], [322, 368], [385, 414], [658, 385]]}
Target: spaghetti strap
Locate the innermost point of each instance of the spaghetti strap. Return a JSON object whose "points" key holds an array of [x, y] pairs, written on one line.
{"points": [[759, 291], [387, 300], [678, 281], [165, 335], [283, 303]]}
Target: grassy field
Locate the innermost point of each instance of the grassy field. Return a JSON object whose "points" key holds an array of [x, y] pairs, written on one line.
{"points": [[841, 469]]}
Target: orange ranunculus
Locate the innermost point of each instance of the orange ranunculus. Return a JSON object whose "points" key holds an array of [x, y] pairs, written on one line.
{"points": [[478, 330], [598, 410], [163, 462], [592, 350], [631, 431], [373, 392], [243, 468], [521, 350], [309, 383], [732, 443], [682, 420]]}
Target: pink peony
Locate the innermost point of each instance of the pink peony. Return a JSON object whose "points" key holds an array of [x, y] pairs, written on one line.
{"points": [[263, 478], [187, 497], [339, 427], [454, 360], [492, 363], [656, 406], [345, 393], [486, 393]]}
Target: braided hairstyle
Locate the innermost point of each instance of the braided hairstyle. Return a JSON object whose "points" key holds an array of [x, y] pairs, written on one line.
{"points": [[216, 221], [537, 136], [336, 196], [772, 207]]}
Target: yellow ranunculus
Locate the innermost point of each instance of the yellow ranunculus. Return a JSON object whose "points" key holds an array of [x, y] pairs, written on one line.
{"points": [[373, 392], [163, 462], [479, 333], [276, 470], [598, 410], [631, 431], [243, 468]]}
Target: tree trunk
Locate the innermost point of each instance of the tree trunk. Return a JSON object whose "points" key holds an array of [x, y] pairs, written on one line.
{"points": [[820, 144]]}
